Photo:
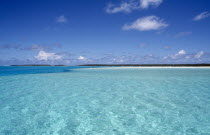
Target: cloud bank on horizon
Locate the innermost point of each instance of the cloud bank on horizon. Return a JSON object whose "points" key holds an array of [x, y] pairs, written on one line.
{"points": [[180, 57], [122, 32]]}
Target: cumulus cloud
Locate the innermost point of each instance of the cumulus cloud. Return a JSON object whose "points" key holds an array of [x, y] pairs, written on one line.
{"points": [[178, 55], [199, 54], [61, 19], [124, 7], [146, 24], [181, 52], [146, 3], [118, 59], [184, 57], [201, 16], [44, 56], [131, 5], [81, 58]]}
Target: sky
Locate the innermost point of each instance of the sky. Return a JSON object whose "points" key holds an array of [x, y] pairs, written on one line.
{"points": [[74, 32]]}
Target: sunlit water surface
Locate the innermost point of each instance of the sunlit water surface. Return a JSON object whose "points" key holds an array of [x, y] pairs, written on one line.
{"points": [[100, 101]]}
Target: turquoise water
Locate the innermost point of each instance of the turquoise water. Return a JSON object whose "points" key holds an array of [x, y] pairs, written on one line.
{"points": [[104, 101]]}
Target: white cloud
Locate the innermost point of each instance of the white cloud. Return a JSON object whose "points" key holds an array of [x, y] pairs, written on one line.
{"points": [[201, 16], [124, 7], [146, 3], [180, 54], [131, 5], [199, 54], [81, 58], [146, 23], [119, 60], [61, 19], [42, 55]]}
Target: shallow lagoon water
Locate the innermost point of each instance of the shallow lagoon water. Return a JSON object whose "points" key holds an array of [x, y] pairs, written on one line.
{"points": [[104, 101]]}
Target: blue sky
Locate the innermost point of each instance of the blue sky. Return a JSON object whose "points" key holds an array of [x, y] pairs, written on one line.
{"points": [[104, 31]]}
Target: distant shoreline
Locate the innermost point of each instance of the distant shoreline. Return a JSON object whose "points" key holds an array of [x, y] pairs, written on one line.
{"points": [[34, 65], [147, 65], [139, 67], [129, 65]]}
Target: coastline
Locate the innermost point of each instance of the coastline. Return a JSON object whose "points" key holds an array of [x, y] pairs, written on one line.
{"points": [[121, 66], [144, 67]]}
